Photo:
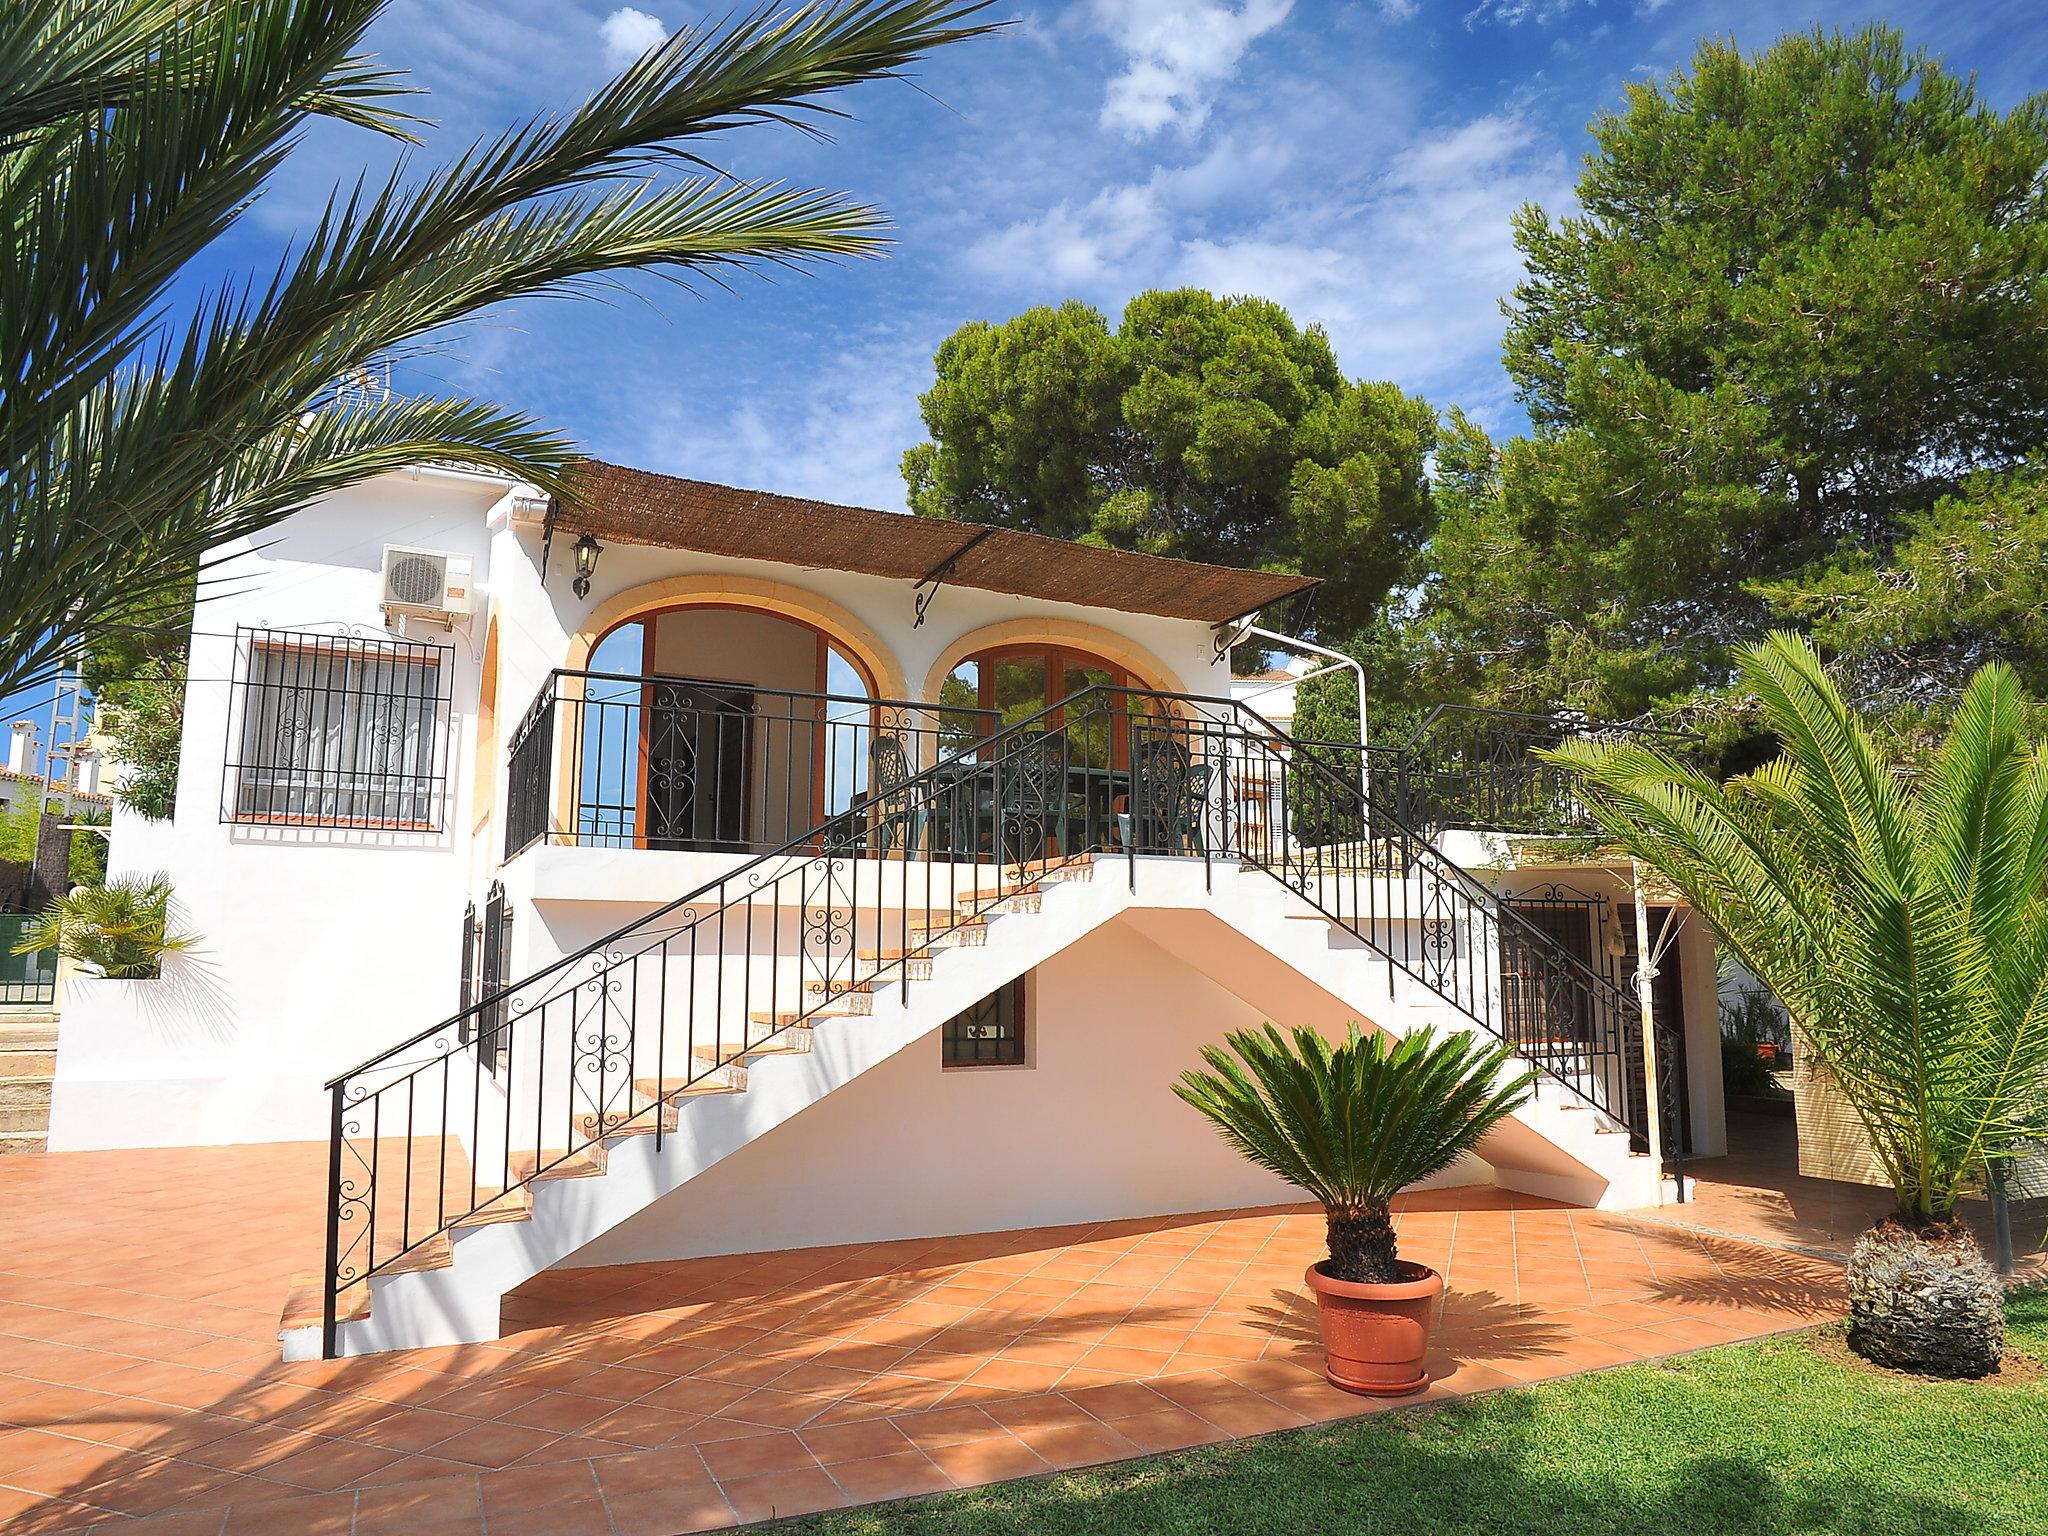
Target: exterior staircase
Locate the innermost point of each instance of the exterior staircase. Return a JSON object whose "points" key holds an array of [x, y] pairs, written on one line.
{"points": [[481, 1152]]}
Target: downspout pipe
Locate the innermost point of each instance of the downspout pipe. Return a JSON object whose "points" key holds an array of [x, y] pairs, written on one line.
{"points": [[1338, 662]]}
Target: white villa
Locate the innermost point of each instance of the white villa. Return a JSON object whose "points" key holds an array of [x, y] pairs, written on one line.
{"points": [[691, 871]]}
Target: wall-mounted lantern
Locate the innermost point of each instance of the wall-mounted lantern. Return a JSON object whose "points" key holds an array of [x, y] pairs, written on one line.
{"points": [[587, 551]]}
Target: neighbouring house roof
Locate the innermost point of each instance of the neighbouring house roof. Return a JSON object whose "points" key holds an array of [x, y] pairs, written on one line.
{"points": [[637, 506], [38, 780]]}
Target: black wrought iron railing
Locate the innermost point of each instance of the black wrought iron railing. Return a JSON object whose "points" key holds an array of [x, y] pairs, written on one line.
{"points": [[620, 760], [449, 1127], [1475, 768]]}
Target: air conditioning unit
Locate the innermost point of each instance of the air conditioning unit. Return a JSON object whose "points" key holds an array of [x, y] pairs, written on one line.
{"points": [[428, 583]]}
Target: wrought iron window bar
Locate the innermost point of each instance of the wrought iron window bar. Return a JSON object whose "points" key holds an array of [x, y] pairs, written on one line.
{"points": [[336, 731]]}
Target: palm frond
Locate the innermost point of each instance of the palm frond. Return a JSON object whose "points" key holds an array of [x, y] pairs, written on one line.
{"points": [[1907, 931], [133, 133], [1353, 1124]]}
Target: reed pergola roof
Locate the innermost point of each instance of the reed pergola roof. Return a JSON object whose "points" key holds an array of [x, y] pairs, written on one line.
{"points": [[637, 506]]}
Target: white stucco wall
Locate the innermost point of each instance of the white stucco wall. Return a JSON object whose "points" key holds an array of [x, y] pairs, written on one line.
{"points": [[1088, 1130], [320, 947], [317, 946]]}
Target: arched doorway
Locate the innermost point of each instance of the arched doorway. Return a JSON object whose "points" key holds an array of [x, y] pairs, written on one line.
{"points": [[719, 727]]}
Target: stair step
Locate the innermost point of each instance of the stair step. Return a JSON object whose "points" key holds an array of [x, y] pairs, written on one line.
{"points": [[14, 1142], [1022, 901], [28, 1063], [793, 1041], [303, 1304], [585, 1164], [28, 1037], [627, 1122], [25, 1119], [496, 1207], [967, 934], [916, 963], [841, 987], [807, 1017], [729, 1077], [435, 1252]]}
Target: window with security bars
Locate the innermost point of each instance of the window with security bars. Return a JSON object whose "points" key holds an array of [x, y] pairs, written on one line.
{"points": [[991, 1033], [328, 731]]}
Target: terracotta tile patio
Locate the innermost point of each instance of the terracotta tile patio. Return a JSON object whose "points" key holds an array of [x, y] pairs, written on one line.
{"points": [[1756, 1192], [140, 1389]]}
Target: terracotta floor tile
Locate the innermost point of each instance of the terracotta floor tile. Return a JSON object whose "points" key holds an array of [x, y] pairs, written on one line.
{"points": [[1167, 1429], [1076, 1445], [1118, 1400], [397, 1510], [670, 1511], [536, 1487], [780, 1494], [639, 1427], [1046, 1411], [855, 1442], [587, 1517], [492, 1445], [988, 1459], [756, 1455], [947, 1426], [1250, 1414], [878, 1479], [315, 1514]]}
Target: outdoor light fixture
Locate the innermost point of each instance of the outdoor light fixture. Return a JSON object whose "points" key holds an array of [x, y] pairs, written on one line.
{"points": [[587, 551]]}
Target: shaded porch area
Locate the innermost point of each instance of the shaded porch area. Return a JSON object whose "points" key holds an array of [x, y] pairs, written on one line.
{"points": [[1756, 1193], [140, 1389]]}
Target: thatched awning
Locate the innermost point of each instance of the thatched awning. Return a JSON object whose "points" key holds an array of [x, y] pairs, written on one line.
{"points": [[636, 506]]}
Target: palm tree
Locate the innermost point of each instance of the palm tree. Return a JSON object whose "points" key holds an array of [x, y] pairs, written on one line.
{"points": [[135, 133], [1905, 926], [122, 929], [1354, 1124]]}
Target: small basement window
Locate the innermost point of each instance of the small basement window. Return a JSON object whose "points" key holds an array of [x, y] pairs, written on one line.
{"points": [[338, 732], [991, 1033]]}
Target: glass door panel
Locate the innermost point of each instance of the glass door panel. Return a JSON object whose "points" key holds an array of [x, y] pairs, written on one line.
{"points": [[1017, 686]]}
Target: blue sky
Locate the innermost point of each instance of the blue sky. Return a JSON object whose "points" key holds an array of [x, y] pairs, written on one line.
{"points": [[1357, 162]]}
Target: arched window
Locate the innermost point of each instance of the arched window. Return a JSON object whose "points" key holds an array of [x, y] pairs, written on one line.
{"points": [[1016, 682]]}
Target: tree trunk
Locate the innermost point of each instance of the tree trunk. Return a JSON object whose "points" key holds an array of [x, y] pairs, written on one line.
{"points": [[1922, 1298], [1362, 1246]]}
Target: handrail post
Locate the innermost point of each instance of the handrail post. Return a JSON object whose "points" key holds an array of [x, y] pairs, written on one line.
{"points": [[330, 1279]]}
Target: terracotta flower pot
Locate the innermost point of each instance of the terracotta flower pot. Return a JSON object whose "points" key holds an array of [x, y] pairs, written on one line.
{"points": [[1375, 1337]]}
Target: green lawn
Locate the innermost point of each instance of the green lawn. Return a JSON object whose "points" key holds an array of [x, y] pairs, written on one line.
{"points": [[1754, 1438]]}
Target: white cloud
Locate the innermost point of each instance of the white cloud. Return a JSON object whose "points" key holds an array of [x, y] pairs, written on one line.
{"points": [[1400, 10], [628, 34], [1084, 248], [1512, 13], [1400, 246], [836, 431], [1178, 52]]}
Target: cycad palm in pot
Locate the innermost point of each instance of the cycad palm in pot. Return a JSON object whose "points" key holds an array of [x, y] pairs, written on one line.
{"points": [[1904, 922], [1353, 1124]]}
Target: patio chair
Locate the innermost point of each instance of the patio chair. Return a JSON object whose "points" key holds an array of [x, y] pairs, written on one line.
{"points": [[1163, 811], [1031, 795], [896, 821]]}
